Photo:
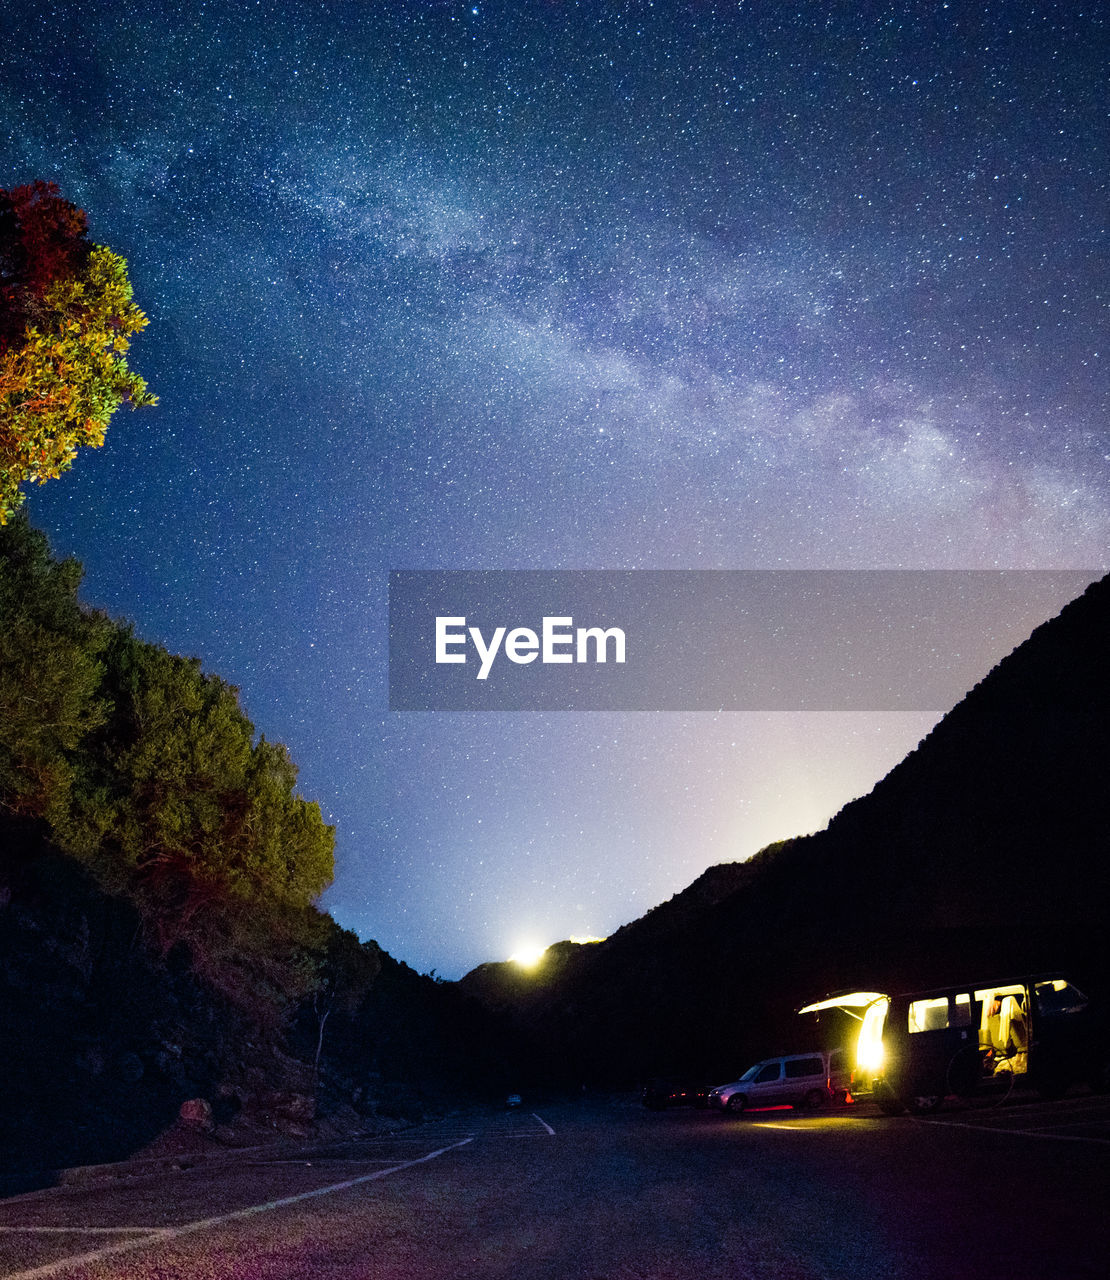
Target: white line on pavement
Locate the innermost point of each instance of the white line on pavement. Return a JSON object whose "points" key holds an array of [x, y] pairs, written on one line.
{"points": [[545, 1124], [1021, 1133], [320, 1162], [172, 1233], [84, 1231]]}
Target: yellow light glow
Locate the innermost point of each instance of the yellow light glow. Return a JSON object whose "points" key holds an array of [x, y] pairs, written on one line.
{"points": [[869, 1047], [529, 956], [849, 1002], [580, 938]]}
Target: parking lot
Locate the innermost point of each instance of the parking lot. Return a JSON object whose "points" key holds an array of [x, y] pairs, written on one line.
{"points": [[604, 1187], [1081, 1118]]}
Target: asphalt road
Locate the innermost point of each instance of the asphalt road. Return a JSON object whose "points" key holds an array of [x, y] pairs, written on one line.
{"points": [[603, 1190]]}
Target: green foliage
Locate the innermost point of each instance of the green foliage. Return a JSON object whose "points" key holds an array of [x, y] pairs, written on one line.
{"points": [[69, 320], [345, 971], [345, 967], [179, 802], [148, 771], [138, 763], [261, 954], [50, 673]]}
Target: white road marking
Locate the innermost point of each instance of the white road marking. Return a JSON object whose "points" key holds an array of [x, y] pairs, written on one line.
{"points": [[85, 1231], [321, 1161], [1022, 1133], [1069, 1124], [544, 1123], [172, 1233]]}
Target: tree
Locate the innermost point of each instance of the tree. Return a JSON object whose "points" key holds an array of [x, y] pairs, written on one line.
{"points": [[50, 674], [147, 770], [174, 804], [66, 322], [177, 797], [345, 972]]}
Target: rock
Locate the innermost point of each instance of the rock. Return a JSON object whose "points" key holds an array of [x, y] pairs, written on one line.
{"points": [[197, 1114], [289, 1106]]}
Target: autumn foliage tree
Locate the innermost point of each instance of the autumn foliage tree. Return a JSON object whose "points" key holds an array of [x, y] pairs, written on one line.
{"points": [[66, 322]]}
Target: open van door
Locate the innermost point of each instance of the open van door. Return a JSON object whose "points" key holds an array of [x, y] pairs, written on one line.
{"points": [[864, 1044], [914, 1050]]}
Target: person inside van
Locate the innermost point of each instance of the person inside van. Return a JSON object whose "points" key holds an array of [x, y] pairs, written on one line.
{"points": [[1011, 1027], [993, 1025]]}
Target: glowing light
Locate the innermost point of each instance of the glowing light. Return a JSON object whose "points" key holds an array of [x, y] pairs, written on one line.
{"points": [[869, 1047], [581, 938], [854, 1000], [528, 956], [869, 1044]]}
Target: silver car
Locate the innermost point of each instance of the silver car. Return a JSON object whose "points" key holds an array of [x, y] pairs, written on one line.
{"points": [[808, 1080]]}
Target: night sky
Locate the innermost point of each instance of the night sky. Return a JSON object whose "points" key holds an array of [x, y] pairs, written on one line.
{"points": [[564, 285]]}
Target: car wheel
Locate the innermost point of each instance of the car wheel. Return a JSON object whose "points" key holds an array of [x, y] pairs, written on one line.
{"points": [[736, 1103], [814, 1100]]}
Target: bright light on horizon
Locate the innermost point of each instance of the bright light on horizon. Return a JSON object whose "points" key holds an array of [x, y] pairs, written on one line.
{"points": [[528, 956]]}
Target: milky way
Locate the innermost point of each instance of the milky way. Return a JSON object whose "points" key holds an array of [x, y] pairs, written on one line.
{"points": [[559, 285]]}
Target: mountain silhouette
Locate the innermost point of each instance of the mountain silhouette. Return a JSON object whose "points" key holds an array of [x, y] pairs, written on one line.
{"points": [[984, 852]]}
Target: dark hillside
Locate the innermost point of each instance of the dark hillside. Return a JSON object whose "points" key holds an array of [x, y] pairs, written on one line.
{"points": [[162, 960], [985, 850], [103, 1037], [102, 1040]]}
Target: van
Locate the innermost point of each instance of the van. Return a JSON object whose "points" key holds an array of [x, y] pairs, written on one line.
{"points": [[809, 1080], [913, 1050]]}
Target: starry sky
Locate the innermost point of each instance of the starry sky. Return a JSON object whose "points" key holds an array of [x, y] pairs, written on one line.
{"points": [[567, 285]]}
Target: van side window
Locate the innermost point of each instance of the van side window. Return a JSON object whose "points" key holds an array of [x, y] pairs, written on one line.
{"points": [[928, 1015], [1055, 998], [771, 1071], [798, 1067], [960, 1012]]}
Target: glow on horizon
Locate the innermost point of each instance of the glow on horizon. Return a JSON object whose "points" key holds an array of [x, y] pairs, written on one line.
{"points": [[530, 955]]}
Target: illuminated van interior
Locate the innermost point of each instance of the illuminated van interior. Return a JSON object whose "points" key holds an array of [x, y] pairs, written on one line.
{"points": [[870, 1010], [997, 1015]]}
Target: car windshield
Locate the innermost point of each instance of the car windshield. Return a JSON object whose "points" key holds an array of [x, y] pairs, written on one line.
{"points": [[751, 1071]]}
